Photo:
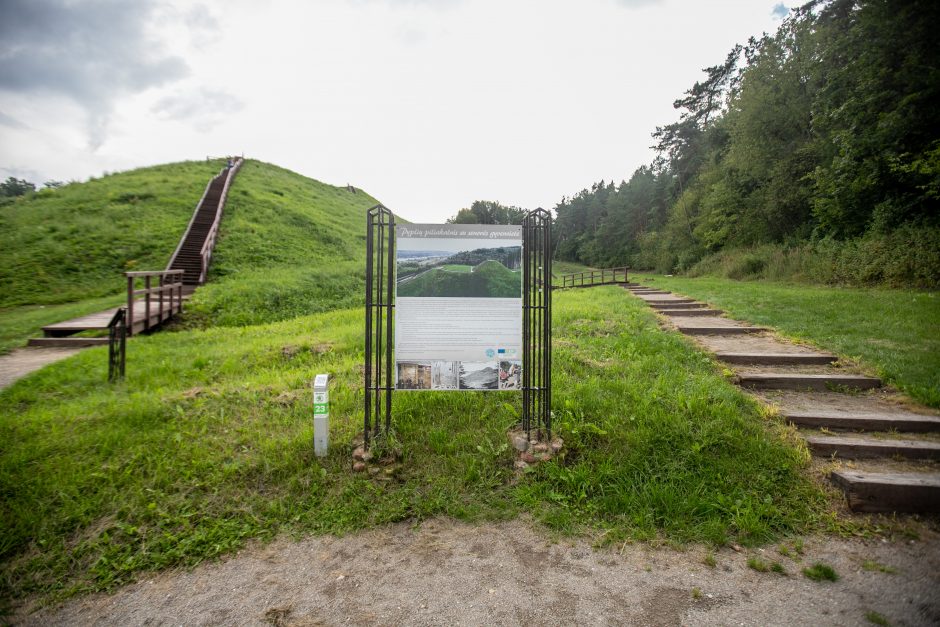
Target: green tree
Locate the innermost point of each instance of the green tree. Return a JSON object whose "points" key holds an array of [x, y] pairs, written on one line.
{"points": [[16, 187]]}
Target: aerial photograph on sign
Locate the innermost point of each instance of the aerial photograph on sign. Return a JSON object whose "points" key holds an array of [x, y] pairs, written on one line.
{"points": [[468, 268]]}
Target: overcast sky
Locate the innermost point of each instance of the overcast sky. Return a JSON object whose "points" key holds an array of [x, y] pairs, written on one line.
{"points": [[426, 104]]}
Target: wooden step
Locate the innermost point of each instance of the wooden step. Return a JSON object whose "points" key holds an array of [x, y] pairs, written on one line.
{"points": [[669, 301], [820, 382], [692, 312], [679, 305], [721, 330], [70, 342], [775, 359], [864, 421], [889, 492], [861, 448]]}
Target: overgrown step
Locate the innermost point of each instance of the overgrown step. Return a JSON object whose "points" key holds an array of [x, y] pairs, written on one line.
{"points": [[820, 382], [863, 448], [775, 359], [692, 312], [66, 342], [889, 492], [864, 421]]}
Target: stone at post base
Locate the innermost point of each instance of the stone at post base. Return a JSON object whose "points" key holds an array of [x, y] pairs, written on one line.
{"points": [[383, 468], [531, 453]]}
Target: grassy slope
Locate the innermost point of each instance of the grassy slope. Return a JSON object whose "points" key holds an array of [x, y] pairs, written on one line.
{"points": [[289, 246], [896, 333], [73, 243], [209, 443]]}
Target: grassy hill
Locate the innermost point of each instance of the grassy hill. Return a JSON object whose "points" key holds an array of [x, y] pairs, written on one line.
{"points": [[72, 243], [289, 245], [490, 279]]}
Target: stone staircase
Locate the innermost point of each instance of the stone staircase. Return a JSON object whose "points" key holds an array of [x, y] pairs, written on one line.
{"points": [[884, 453]]}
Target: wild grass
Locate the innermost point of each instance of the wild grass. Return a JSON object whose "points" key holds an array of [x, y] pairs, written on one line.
{"points": [[208, 443], [821, 572], [891, 332]]}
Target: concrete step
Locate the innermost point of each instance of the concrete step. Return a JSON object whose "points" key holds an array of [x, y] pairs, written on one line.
{"points": [[864, 421], [775, 359], [66, 342], [820, 382], [862, 448], [889, 492], [692, 312], [722, 330]]}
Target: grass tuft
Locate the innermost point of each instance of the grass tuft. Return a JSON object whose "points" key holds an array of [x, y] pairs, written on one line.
{"points": [[820, 572]]}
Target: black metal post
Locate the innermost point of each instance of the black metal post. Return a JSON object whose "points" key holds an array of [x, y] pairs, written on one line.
{"points": [[380, 272], [117, 343], [537, 323]]}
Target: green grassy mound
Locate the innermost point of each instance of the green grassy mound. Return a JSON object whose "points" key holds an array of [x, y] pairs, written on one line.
{"points": [[289, 246], [490, 279], [208, 443], [73, 243]]}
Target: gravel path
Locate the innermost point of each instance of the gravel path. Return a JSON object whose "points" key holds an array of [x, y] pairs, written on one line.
{"points": [[448, 573], [21, 361]]}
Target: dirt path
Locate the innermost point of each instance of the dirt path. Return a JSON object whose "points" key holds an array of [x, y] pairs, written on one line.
{"points": [[22, 361], [447, 573]]}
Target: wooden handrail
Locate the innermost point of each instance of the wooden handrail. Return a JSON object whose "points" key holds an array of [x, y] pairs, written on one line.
{"points": [[173, 289], [205, 254], [205, 257]]}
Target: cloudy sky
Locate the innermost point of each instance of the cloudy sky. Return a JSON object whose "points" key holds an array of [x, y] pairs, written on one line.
{"points": [[426, 104]]}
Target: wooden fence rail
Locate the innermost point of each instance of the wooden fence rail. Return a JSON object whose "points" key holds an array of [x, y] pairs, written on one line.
{"points": [[166, 298], [604, 276]]}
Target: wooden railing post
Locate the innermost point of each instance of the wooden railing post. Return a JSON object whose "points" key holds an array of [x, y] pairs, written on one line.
{"points": [[130, 305], [147, 302]]}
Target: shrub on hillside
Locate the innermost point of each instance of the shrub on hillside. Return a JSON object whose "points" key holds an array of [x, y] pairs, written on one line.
{"points": [[908, 257]]}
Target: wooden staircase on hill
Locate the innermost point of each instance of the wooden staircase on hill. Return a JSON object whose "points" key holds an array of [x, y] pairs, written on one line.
{"points": [[194, 251], [884, 454], [154, 297]]}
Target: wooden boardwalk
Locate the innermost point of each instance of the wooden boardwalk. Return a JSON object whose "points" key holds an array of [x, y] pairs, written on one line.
{"points": [[160, 302], [57, 334]]}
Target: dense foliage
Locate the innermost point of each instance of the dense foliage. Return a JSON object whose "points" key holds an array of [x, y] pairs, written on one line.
{"points": [[822, 137]]}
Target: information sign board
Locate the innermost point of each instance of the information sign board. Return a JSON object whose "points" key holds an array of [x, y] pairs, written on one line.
{"points": [[458, 307]]}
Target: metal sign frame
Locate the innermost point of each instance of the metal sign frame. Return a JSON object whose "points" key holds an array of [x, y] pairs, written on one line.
{"points": [[536, 322]]}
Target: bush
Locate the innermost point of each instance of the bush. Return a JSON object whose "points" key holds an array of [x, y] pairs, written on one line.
{"points": [[908, 257]]}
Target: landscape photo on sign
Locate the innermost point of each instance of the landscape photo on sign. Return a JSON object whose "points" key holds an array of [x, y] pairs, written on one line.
{"points": [[479, 375], [451, 267]]}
